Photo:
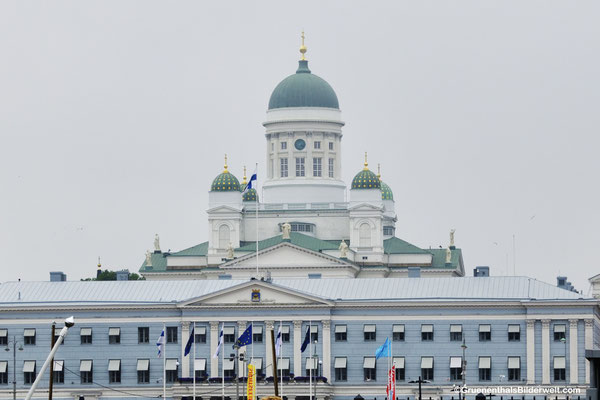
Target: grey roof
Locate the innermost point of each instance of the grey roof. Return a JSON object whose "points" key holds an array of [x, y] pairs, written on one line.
{"points": [[386, 289]]}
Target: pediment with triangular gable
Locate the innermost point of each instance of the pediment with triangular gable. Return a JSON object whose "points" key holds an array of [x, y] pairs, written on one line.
{"points": [[224, 209], [256, 292], [365, 207]]}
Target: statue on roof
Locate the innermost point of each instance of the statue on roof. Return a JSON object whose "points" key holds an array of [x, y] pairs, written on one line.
{"points": [[452, 236], [148, 258], [448, 256], [230, 251], [286, 228], [156, 243], [343, 249]]}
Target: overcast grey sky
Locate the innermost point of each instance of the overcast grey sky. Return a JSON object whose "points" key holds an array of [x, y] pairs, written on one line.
{"points": [[114, 117]]}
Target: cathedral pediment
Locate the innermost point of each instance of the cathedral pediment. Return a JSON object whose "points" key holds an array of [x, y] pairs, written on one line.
{"points": [[256, 293], [365, 207], [224, 209]]}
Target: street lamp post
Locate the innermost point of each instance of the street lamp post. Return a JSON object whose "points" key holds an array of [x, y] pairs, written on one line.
{"points": [[419, 381], [564, 341], [463, 368], [14, 344]]}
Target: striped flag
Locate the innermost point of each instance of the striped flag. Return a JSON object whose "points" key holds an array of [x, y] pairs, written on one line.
{"points": [[278, 342], [161, 343], [216, 355]]}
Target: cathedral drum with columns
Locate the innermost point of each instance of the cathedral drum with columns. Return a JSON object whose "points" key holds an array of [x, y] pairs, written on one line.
{"points": [[319, 265]]}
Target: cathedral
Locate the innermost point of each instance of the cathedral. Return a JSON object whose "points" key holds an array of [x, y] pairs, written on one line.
{"points": [[306, 223]]}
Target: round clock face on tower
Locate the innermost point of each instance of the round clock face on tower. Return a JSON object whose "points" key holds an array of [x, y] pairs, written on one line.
{"points": [[299, 144]]}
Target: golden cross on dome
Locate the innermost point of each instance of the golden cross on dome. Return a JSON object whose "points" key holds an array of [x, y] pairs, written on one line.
{"points": [[302, 48], [225, 166], [366, 168], [379, 171], [244, 181]]}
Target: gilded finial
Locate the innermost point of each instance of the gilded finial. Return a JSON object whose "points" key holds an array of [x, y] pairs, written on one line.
{"points": [[366, 168], [99, 264], [225, 166], [302, 48], [244, 181], [379, 171]]}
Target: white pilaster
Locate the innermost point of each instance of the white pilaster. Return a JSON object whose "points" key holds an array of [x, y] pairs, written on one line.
{"points": [[545, 351], [326, 349], [214, 341], [589, 345], [185, 360], [297, 344], [530, 351], [573, 356], [268, 349]]}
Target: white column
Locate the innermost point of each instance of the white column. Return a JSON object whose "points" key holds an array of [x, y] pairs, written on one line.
{"points": [[589, 345], [185, 360], [241, 367], [545, 351], [214, 341], [268, 350], [327, 349], [297, 344], [573, 356], [530, 351]]}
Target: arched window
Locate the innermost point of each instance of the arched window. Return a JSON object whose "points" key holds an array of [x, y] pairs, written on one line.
{"points": [[224, 237], [364, 235]]}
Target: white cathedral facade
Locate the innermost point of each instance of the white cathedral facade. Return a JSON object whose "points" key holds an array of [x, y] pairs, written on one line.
{"points": [[307, 224]]}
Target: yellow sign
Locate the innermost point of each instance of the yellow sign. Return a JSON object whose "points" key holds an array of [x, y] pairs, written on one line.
{"points": [[251, 385]]}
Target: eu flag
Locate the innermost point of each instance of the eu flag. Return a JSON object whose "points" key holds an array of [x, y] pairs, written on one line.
{"points": [[245, 338], [306, 340], [188, 346]]}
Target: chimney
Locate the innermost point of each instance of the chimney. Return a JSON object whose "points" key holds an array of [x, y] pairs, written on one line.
{"points": [[123, 275], [58, 276], [414, 272], [481, 271]]}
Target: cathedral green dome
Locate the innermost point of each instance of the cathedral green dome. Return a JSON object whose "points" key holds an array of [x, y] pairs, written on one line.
{"points": [[250, 195], [386, 192], [303, 89], [365, 179], [225, 182]]}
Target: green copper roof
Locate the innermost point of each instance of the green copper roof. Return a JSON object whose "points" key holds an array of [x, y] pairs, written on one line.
{"points": [[303, 89], [197, 250], [225, 182], [159, 263], [439, 258], [250, 195], [386, 192], [395, 245], [366, 179], [298, 239]]}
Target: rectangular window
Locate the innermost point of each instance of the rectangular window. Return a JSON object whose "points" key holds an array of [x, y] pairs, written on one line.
{"points": [[58, 372], [331, 167], [200, 334], [559, 332], [29, 336], [388, 230], [283, 170], [283, 145], [143, 371], [86, 371], [485, 368], [114, 371], [370, 369], [317, 145], [341, 334], [426, 333], [369, 332], [427, 368], [85, 335], [455, 333], [284, 366], [314, 333], [455, 368], [514, 333], [399, 363], [317, 166], [485, 333], [514, 368], [330, 145], [257, 362], [143, 334], [257, 334], [29, 372], [229, 334], [56, 336], [3, 372], [341, 370], [200, 368], [3, 337], [228, 368], [171, 334], [285, 333], [300, 169], [559, 368], [114, 335], [398, 333], [172, 370]]}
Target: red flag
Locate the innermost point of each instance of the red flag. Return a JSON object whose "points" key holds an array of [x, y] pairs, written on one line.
{"points": [[390, 389]]}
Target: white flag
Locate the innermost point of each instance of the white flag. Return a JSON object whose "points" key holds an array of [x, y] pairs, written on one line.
{"points": [[161, 343], [216, 355], [278, 342]]}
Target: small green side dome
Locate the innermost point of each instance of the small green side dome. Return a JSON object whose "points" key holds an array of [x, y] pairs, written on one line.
{"points": [[303, 89], [386, 192], [250, 195], [366, 179], [225, 182]]}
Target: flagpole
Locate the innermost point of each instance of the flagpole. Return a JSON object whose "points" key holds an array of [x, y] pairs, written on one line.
{"points": [[194, 360], [223, 362], [311, 359], [281, 357], [256, 211], [164, 362]]}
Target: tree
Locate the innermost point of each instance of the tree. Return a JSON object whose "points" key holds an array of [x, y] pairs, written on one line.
{"points": [[107, 275]]}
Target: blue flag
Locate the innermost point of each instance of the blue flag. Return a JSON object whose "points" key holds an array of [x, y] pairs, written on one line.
{"points": [[306, 340], [160, 343], [245, 338], [188, 346], [383, 350]]}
